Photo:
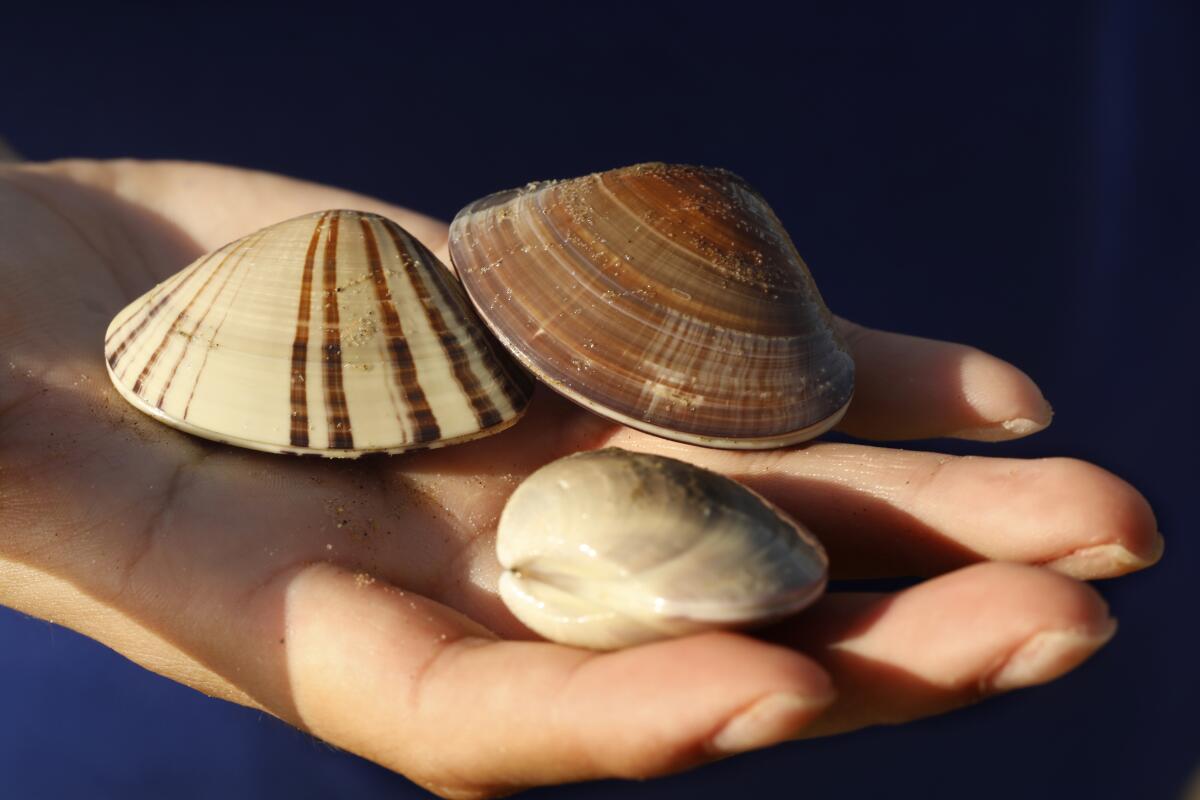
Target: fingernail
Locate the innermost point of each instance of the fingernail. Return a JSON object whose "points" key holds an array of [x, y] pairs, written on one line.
{"points": [[1001, 431], [1050, 654], [773, 719], [1156, 549], [1106, 560]]}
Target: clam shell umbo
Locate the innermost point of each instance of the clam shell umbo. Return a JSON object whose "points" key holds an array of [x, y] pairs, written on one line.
{"points": [[665, 297], [609, 549], [334, 333]]}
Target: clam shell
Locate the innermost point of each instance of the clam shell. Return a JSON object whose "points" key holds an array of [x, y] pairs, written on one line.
{"points": [[334, 333], [665, 297], [609, 548]]}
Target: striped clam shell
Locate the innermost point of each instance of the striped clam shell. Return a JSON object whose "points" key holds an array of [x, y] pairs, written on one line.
{"points": [[666, 297], [334, 333]]}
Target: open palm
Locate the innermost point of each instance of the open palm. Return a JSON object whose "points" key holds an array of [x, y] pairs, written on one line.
{"points": [[357, 599]]}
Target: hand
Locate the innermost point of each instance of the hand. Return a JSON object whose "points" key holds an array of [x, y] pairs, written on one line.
{"points": [[356, 599]]}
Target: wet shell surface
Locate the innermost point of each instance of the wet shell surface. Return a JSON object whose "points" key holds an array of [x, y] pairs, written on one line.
{"points": [[609, 548], [334, 333], [666, 297]]}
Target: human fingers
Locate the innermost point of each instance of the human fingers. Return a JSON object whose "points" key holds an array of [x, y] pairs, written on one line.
{"points": [[907, 387], [886, 512], [948, 642]]}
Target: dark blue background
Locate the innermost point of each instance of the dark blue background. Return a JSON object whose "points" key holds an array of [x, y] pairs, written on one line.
{"points": [[1023, 179]]}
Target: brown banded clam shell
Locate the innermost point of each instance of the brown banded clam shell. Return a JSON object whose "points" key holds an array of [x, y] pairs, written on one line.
{"points": [[665, 297], [335, 333]]}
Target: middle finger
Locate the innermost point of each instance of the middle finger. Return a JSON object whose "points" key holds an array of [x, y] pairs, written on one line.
{"points": [[884, 512]]}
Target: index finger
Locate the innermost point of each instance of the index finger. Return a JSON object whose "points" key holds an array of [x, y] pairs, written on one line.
{"points": [[908, 387]]}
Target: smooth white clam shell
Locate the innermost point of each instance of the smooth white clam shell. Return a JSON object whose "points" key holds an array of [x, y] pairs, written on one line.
{"points": [[609, 549]]}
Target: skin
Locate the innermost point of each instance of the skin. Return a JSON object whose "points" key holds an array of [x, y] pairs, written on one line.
{"points": [[356, 600]]}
